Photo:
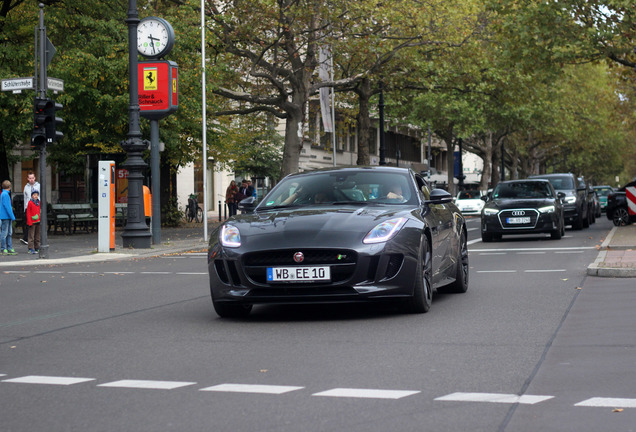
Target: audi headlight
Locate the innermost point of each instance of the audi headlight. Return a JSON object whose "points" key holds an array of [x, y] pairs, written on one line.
{"points": [[547, 209], [230, 236], [384, 231], [490, 211], [570, 199]]}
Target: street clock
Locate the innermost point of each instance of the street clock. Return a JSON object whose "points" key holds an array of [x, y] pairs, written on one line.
{"points": [[155, 37]]}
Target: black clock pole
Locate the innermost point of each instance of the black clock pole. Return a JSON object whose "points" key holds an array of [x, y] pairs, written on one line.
{"points": [[136, 233]]}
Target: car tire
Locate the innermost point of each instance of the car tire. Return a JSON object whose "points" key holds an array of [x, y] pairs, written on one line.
{"points": [[557, 234], [578, 223], [620, 217], [586, 220], [461, 278], [486, 237], [423, 291], [231, 310]]}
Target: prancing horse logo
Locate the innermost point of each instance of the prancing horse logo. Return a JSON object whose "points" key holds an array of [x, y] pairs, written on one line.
{"points": [[299, 257]]}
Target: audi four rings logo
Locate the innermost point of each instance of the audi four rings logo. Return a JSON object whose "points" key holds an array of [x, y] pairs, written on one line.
{"points": [[518, 213], [299, 257]]}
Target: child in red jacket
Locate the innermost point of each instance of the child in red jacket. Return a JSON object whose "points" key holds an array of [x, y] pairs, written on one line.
{"points": [[33, 221]]}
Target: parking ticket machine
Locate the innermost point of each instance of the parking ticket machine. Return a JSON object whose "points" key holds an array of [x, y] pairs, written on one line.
{"points": [[106, 206]]}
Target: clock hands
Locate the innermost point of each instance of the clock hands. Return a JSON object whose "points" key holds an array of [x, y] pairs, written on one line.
{"points": [[152, 42]]}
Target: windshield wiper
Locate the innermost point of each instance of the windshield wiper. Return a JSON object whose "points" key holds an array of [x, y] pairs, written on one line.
{"points": [[351, 202]]}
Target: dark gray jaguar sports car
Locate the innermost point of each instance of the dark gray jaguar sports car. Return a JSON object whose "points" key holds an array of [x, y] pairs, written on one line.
{"points": [[340, 235]]}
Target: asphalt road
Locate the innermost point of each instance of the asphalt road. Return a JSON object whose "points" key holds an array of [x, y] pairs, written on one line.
{"points": [[136, 346]]}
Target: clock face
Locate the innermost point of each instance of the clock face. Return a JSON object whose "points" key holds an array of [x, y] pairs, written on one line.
{"points": [[155, 37]]}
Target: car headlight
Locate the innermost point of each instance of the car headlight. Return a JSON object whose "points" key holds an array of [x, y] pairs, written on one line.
{"points": [[230, 236], [546, 209], [490, 211], [384, 231], [570, 199]]}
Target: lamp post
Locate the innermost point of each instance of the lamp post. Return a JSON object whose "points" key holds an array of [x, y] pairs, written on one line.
{"points": [[136, 233]]}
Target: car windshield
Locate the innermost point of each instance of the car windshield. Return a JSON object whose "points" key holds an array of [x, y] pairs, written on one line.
{"points": [[561, 182], [469, 194], [340, 188], [522, 190], [603, 191]]}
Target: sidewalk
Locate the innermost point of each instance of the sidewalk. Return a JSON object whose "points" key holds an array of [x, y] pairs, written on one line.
{"points": [[82, 247], [617, 255]]}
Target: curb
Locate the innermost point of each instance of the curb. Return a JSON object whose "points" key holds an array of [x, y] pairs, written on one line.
{"points": [[597, 268]]}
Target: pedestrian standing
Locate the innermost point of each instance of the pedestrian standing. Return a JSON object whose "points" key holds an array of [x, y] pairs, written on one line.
{"points": [[28, 189], [33, 221], [230, 194], [6, 217]]}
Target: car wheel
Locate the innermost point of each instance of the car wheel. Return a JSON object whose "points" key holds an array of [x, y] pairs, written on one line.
{"points": [[461, 278], [620, 217], [486, 237], [578, 223], [556, 234], [586, 221], [423, 292], [231, 310]]}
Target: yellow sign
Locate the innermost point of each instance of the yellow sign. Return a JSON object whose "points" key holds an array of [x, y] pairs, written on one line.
{"points": [[150, 79], [174, 85]]}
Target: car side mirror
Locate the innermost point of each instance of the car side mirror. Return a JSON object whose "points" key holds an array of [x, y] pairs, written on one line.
{"points": [[561, 196], [247, 205], [439, 196]]}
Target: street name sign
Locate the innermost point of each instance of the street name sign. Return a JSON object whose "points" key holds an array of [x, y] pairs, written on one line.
{"points": [[55, 84], [17, 84]]}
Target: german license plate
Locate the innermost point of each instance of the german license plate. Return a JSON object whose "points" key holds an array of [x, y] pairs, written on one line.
{"points": [[298, 274], [519, 220]]}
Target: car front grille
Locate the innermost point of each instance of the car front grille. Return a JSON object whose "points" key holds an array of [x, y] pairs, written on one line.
{"points": [[342, 263], [507, 218]]}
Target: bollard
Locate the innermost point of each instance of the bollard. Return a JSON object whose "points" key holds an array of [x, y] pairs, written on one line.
{"points": [[219, 210], [225, 211]]}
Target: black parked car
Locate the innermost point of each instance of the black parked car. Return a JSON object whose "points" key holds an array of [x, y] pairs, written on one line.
{"points": [[575, 203], [523, 207], [618, 209], [340, 235]]}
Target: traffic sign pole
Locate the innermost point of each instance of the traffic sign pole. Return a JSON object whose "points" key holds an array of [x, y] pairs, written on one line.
{"points": [[44, 244]]}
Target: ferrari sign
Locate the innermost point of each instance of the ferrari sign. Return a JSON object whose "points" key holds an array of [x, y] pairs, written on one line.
{"points": [[158, 89]]}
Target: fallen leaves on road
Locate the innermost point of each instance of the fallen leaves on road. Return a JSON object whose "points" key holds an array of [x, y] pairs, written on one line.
{"points": [[617, 410]]}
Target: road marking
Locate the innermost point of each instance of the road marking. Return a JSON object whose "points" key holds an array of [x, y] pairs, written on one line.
{"points": [[473, 241], [472, 229], [494, 397], [119, 272], [16, 271], [492, 253], [191, 273], [147, 384], [496, 271], [37, 379], [569, 252], [536, 249], [156, 273], [82, 272], [544, 271], [3, 374], [608, 402], [251, 388], [48, 272], [366, 393], [531, 253]]}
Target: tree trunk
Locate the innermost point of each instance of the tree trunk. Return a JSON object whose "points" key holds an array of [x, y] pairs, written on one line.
{"points": [[487, 171], [364, 122], [496, 163], [4, 161], [293, 141]]}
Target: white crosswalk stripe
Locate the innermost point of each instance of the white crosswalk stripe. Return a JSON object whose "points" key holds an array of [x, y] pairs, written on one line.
{"points": [[366, 393], [608, 402], [52, 380], [147, 384], [251, 388], [494, 397]]}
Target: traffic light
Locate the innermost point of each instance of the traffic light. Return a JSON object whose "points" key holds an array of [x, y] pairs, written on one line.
{"points": [[52, 121], [38, 137]]}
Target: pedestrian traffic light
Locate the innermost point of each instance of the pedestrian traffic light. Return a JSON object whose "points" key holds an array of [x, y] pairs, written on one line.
{"points": [[38, 137], [52, 121]]}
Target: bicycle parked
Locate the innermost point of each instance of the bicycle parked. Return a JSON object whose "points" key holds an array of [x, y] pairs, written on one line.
{"points": [[192, 210]]}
